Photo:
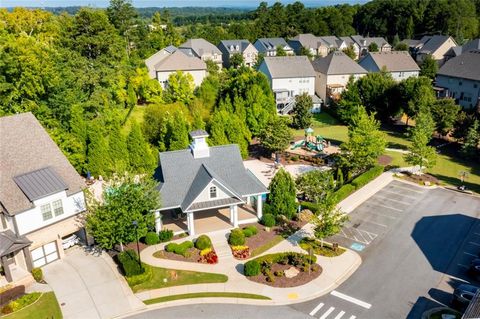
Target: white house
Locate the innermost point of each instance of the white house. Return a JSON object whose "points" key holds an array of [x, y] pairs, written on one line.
{"points": [[170, 60], [268, 46], [41, 197], [243, 47], [398, 63], [203, 50], [288, 77], [200, 182], [460, 79], [333, 73]]}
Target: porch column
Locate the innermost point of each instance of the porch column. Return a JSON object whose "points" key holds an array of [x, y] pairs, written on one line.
{"points": [[190, 224], [28, 258], [158, 221], [234, 215], [259, 207], [6, 269], [249, 200]]}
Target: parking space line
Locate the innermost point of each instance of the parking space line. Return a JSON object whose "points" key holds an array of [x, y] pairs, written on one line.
{"points": [[378, 224], [316, 309], [409, 189], [387, 191], [469, 254], [476, 244], [393, 200], [340, 315], [352, 317], [329, 311], [390, 207], [378, 214], [351, 299]]}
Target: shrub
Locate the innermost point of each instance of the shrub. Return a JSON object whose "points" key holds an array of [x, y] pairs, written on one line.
{"points": [[252, 229], [343, 192], [203, 242], [252, 268], [179, 249], [294, 158], [138, 279], [205, 251], [236, 238], [151, 238], [368, 176], [279, 273], [165, 235], [37, 274], [247, 232], [311, 206], [268, 220], [171, 247], [130, 263]]}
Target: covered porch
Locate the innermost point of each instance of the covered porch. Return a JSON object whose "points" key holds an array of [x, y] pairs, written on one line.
{"points": [[15, 258]]}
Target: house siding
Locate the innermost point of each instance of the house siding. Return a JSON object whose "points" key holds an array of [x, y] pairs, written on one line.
{"points": [[323, 81], [465, 92], [198, 76], [204, 196], [296, 85]]}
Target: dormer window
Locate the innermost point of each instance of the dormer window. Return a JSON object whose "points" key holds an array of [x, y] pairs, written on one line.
{"points": [[213, 192]]}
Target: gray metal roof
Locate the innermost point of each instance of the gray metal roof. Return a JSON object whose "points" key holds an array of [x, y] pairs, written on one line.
{"points": [[465, 66], [40, 183], [180, 176], [394, 61], [26, 147], [337, 62], [289, 67], [198, 133], [10, 242]]}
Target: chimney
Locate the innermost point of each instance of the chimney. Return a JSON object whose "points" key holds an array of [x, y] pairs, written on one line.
{"points": [[199, 144]]}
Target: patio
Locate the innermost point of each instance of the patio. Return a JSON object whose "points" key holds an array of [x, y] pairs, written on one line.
{"points": [[209, 220]]}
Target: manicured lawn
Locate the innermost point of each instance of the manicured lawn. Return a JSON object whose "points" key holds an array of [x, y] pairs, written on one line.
{"points": [[259, 250], [137, 115], [45, 307], [315, 245], [328, 127], [177, 278], [206, 295]]}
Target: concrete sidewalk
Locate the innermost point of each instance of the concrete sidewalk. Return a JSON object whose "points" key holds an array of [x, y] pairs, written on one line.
{"points": [[335, 271]]}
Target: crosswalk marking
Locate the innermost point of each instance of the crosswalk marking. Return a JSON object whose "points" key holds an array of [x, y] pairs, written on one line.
{"points": [[351, 299], [316, 309], [352, 317], [340, 315], [328, 312]]}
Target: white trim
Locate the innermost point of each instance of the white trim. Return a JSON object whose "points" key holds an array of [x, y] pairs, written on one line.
{"points": [[166, 208], [247, 221], [226, 205], [212, 180], [256, 194]]}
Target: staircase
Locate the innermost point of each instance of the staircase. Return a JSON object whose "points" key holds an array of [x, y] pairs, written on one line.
{"points": [[287, 107]]}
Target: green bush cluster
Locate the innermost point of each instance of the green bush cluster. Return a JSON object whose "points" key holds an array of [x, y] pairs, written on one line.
{"points": [[37, 274], [203, 242], [179, 249], [311, 206], [252, 268], [343, 192], [138, 279], [290, 258], [368, 176], [165, 235], [268, 220], [250, 231], [20, 303], [237, 237], [130, 263], [151, 238]]}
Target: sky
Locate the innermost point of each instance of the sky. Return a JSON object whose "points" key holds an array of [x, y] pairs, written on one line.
{"points": [[167, 3]]}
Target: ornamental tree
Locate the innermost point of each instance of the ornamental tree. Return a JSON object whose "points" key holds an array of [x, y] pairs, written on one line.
{"points": [[316, 184], [330, 220], [283, 194], [419, 152]]}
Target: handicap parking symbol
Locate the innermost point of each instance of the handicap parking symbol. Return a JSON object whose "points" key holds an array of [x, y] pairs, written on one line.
{"points": [[357, 246]]}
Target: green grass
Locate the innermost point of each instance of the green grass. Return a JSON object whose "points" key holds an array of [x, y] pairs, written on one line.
{"points": [[45, 307], [206, 295], [137, 115], [328, 127], [177, 278], [260, 250], [317, 249]]}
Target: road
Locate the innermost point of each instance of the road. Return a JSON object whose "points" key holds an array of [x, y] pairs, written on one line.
{"points": [[415, 245]]}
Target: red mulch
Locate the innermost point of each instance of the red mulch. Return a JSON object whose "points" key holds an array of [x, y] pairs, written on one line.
{"points": [[193, 256], [284, 282], [384, 160], [420, 179], [133, 246]]}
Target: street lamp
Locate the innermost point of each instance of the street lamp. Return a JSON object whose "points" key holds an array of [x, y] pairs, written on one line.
{"points": [[135, 225]]}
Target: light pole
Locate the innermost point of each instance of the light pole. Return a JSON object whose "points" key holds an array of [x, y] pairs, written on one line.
{"points": [[135, 225]]}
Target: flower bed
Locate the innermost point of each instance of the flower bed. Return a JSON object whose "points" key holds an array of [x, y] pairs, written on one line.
{"points": [[200, 252], [283, 270], [316, 246]]}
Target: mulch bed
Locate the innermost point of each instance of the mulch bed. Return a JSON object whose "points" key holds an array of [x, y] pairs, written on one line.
{"points": [[192, 256], [284, 282], [384, 160], [420, 179]]}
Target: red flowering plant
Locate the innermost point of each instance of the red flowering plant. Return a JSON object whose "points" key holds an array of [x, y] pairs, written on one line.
{"points": [[208, 256], [240, 252]]}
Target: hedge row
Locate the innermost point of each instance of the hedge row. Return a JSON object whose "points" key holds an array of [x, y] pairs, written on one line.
{"points": [[358, 182], [179, 249], [130, 263]]}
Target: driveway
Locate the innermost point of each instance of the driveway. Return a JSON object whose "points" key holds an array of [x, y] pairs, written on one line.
{"points": [[88, 285]]}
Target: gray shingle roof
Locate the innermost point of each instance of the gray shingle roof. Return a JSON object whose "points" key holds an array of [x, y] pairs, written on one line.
{"points": [[40, 183], [471, 45], [432, 43], [271, 44], [232, 45], [180, 61], [10, 242], [289, 67], [25, 147], [394, 61], [465, 66], [182, 175], [360, 40], [200, 47], [332, 41], [307, 40], [337, 63]]}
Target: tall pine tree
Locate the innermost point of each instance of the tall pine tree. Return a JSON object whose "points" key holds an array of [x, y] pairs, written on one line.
{"points": [[140, 156]]}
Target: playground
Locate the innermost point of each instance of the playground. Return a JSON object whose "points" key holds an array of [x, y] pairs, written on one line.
{"points": [[312, 145]]}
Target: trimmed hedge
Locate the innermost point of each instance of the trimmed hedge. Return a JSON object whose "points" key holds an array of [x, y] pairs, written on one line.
{"points": [[311, 206], [165, 235], [268, 220], [151, 238], [179, 249], [37, 274], [343, 192], [138, 279], [368, 176], [203, 242], [129, 261], [237, 237], [252, 268], [250, 231]]}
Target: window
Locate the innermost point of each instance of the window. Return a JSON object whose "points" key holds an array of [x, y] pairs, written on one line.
{"points": [[213, 192], [57, 207], [46, 212]]}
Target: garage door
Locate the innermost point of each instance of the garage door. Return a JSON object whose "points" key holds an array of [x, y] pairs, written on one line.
{"points": [[44, 254]]}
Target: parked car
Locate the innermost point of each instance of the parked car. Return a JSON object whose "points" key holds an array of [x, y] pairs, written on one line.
{"points": [[462, 296], [70, 241]]}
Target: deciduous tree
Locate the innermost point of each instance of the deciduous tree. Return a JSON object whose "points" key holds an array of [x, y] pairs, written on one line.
{"points": [[302, 115], [276, 136], [420, 154]]}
